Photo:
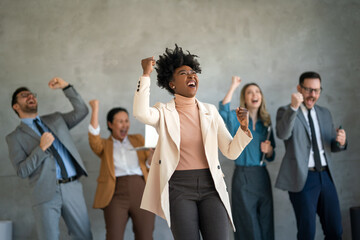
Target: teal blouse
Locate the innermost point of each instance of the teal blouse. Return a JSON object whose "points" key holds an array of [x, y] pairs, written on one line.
{"points": [[252, 155]]}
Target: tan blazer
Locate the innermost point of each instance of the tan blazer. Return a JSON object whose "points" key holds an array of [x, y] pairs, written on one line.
{"points": [[165, 119], [107, 180]]}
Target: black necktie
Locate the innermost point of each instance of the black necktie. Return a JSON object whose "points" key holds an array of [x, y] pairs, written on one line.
{"points": [[314, 144], [54, 152]]}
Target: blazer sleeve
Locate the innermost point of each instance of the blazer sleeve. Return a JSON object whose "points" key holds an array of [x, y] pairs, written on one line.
{"points": [[229, 117], [285, 120], [230, 147], [79, 111], [25, 164], [97, 144], [141, 109]]}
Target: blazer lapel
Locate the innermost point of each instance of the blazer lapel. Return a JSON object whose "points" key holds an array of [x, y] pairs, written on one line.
{"points": [[28, 130], [110, 150], [205, 120], [302, 119], [172, 121], [48, 124]]}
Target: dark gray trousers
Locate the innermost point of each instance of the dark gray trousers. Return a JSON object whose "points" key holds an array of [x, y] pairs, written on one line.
{"points": [[252, 204], [195, 205]]}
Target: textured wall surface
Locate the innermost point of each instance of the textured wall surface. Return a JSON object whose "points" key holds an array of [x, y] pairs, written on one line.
{"points": [[97, 46]]}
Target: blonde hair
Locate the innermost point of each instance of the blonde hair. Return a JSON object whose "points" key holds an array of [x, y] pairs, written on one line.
{"points": [[263, 114]]}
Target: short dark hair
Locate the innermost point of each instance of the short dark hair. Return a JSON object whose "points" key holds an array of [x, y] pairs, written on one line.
{"points": [[14, 96], [17, 91], [171, 60], [112, 113], [305, 75]]}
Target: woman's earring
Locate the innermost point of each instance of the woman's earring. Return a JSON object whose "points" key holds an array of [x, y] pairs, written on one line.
{"points": [[173, 87]]}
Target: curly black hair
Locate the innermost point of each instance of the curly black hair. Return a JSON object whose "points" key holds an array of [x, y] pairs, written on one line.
{"points": [[171, 60]]}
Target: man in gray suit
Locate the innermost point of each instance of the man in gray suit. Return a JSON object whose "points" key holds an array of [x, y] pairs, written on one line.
{"points": [[42, 150], [310, 137]]}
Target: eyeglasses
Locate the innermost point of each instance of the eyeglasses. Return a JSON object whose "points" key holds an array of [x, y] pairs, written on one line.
{"points": [[27, 94], [310, 90]]}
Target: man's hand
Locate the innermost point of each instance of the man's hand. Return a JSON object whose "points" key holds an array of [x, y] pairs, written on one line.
{"points": [[46, 140], [57, 83], [341, 136], [147, 66], [296, 100], [243, 118], [94, 104]]}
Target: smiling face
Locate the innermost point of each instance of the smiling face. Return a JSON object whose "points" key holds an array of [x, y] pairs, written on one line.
{"points": [[310, 89], [185, 81], [252, 97], [119, 126], [26, 104]]}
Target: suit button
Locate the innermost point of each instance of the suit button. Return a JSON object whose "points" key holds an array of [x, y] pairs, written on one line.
{"points": [[218, 166], [137, 90], [159, 161]]}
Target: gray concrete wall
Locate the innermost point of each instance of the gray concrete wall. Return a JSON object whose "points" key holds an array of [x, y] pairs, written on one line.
{"points": [[97, 46]]}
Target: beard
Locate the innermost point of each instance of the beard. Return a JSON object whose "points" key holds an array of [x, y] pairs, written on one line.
{"points": [[29, 109]]}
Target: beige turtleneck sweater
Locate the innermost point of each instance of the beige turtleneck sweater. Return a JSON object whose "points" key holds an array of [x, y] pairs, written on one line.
{"points": [[192, 153]]}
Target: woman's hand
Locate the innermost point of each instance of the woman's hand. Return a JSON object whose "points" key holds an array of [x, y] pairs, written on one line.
{"points": [[235, 81], [94, 121], [243, 118], [266, 148], [94, 104], [147, 66]]}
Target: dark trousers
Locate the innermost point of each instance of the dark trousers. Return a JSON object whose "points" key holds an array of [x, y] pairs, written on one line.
{"points": [[195, 205], [124, 204], [318, 197], [252, 204]]}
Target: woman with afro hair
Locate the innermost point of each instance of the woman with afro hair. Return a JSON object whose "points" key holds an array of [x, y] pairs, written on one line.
{"points": [[186, 184]]}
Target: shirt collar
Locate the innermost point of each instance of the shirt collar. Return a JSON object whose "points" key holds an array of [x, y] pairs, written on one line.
{"points": [[29, 121], [125, 141]]}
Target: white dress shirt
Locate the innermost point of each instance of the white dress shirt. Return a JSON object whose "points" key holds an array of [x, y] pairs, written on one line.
{"points": [[318, 136], [126, 161]]}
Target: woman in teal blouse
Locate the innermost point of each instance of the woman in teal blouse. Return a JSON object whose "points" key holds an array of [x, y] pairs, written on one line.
{"points": [[252, 203]]}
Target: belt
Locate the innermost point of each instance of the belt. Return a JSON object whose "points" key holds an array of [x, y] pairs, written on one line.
{"points": [[313, 169], [66, 180]]}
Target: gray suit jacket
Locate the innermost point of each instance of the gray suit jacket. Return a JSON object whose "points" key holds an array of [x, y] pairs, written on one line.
{"points": [[31, 162], [291, 126]]}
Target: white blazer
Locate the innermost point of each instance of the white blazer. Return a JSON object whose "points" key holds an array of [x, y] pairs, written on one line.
{"points": [[165, 119]]}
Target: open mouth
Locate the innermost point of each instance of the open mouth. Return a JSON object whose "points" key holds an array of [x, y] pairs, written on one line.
{"points": [[255, 101], [123, 132], [31, 102], [309, 100], [191, 83]]}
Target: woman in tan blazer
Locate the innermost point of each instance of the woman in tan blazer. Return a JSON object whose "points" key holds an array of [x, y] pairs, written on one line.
{"points": [[186, 184], [122, 176]]}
